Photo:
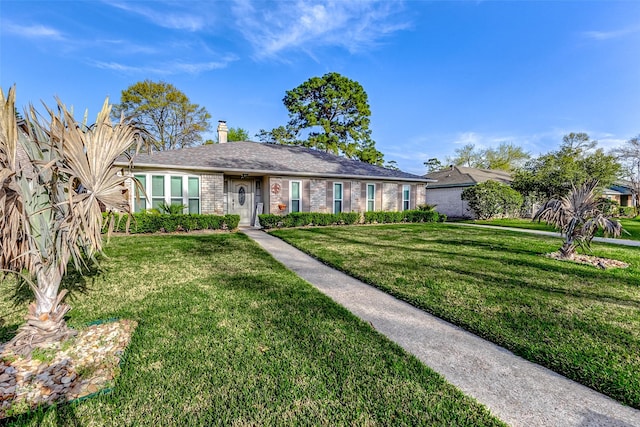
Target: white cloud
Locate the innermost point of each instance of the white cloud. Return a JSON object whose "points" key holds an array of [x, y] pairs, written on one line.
{"points": [[195, 68], [169, 68], [32, 31], [466, 138], [613, 34], [276, 27], [189, 20], [128, 48]]}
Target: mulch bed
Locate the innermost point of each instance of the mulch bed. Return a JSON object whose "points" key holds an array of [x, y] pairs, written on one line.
{"points": [[78, 367]]}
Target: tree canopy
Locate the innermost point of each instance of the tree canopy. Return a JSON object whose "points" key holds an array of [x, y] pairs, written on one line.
{"points": [[433, 165], [490, 199], [237, 134], [554, 174], [329, 113], [165, 113], [506, 156]]}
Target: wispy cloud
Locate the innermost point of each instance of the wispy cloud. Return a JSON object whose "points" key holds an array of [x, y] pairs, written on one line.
{"points": [[275, 27], [612, 34], [169, 68], [32, 31], [163, 16], [126, 47]]}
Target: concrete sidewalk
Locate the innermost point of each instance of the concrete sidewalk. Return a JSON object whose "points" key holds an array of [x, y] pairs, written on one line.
{"points": [[518, 392]]}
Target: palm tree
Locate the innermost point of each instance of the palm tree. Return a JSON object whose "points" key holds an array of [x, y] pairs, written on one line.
{"points": [[578, 217], [56, 178]]}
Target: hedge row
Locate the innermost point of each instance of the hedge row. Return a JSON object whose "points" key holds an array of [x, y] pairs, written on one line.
{"points": [[300, 219], [152, 223], [403, 216], [627, 211]]}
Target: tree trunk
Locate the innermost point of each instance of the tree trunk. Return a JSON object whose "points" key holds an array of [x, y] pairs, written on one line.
{"points": [[567, 250], [45, 319]]}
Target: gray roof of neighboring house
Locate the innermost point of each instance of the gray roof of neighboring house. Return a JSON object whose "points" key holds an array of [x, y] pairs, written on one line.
{"points": [[461, 176], [267, 159], [621, 187]]}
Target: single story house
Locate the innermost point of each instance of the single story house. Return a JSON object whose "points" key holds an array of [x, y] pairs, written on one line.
{"points": [[621, 192], [249, 178], [446, 192]]}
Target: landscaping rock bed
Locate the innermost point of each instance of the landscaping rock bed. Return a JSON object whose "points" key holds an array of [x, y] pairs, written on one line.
{"points": [[595, 261], [78, 367]]}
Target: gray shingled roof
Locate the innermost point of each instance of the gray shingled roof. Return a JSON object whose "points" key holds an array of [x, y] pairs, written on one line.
{"points": [[460, 176], [272, 159]]}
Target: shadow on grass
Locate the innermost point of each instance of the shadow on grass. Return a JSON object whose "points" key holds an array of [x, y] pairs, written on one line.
{"points": [[464, 262], [463, 267]]}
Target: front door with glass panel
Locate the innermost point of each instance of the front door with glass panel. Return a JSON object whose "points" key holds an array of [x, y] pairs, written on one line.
{"points": [[241, 201]]}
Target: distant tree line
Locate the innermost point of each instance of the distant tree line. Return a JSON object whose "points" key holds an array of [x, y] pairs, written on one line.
{"points": [[553, 175]]}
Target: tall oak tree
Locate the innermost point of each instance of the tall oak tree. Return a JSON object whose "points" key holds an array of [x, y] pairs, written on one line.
{"points": [[167, 115]]}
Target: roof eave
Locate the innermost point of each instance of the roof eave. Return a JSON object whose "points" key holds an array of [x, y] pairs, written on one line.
{"points": [[274, 172]]}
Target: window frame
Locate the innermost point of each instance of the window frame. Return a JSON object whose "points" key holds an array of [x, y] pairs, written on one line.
{"points": [[406, 202], [140, 199], [336, 200], [292, 199], [371, 200]]}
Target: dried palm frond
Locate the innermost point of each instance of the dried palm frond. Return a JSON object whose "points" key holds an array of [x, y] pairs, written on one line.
{"points": [[578, 217], [51, 202], [13, 241]]}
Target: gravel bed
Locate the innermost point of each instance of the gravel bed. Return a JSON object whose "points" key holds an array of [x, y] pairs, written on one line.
{"points": [[80, 366]]}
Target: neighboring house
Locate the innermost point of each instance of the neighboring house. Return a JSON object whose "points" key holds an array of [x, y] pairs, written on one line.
{"points": [[446, 192], [248, 178], [621, 192]]}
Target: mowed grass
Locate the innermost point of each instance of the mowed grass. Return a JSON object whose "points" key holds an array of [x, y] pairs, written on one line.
{"points": [[575, 319], [631, 226], [227, 336]]}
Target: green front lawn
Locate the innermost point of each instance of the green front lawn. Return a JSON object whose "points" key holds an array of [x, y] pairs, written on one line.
{"points": [[631, 226], [227, 336], [575, 319]]}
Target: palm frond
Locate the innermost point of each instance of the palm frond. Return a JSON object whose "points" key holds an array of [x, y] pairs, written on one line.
{"points": [[13, 239], [578, 216]]}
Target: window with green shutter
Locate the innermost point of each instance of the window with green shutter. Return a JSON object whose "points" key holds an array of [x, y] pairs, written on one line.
{"points": [[194, 194], [157, 191], [139, 197], [337, 197], [406, 197], [371, 197], [176, 190], [295, 205]]}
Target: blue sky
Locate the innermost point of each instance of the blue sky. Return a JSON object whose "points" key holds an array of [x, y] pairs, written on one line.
{"points": [[438, 74]]}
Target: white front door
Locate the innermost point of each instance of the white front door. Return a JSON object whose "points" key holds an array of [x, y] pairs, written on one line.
{"points": [[241, 201]]}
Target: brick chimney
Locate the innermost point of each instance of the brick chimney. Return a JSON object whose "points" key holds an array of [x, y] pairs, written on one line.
{"points": [[222, 132]]}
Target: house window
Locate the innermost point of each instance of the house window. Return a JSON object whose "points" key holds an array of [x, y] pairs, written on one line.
{"points": [[337, 197], [371, 197], [169, 189], [139, 197], [194, 194], [157, 191], [294, 202], [406, 197], [176, 190]]}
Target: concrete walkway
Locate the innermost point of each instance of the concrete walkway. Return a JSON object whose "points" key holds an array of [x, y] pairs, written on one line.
{"points": [[621, 242], [518, 392]]}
